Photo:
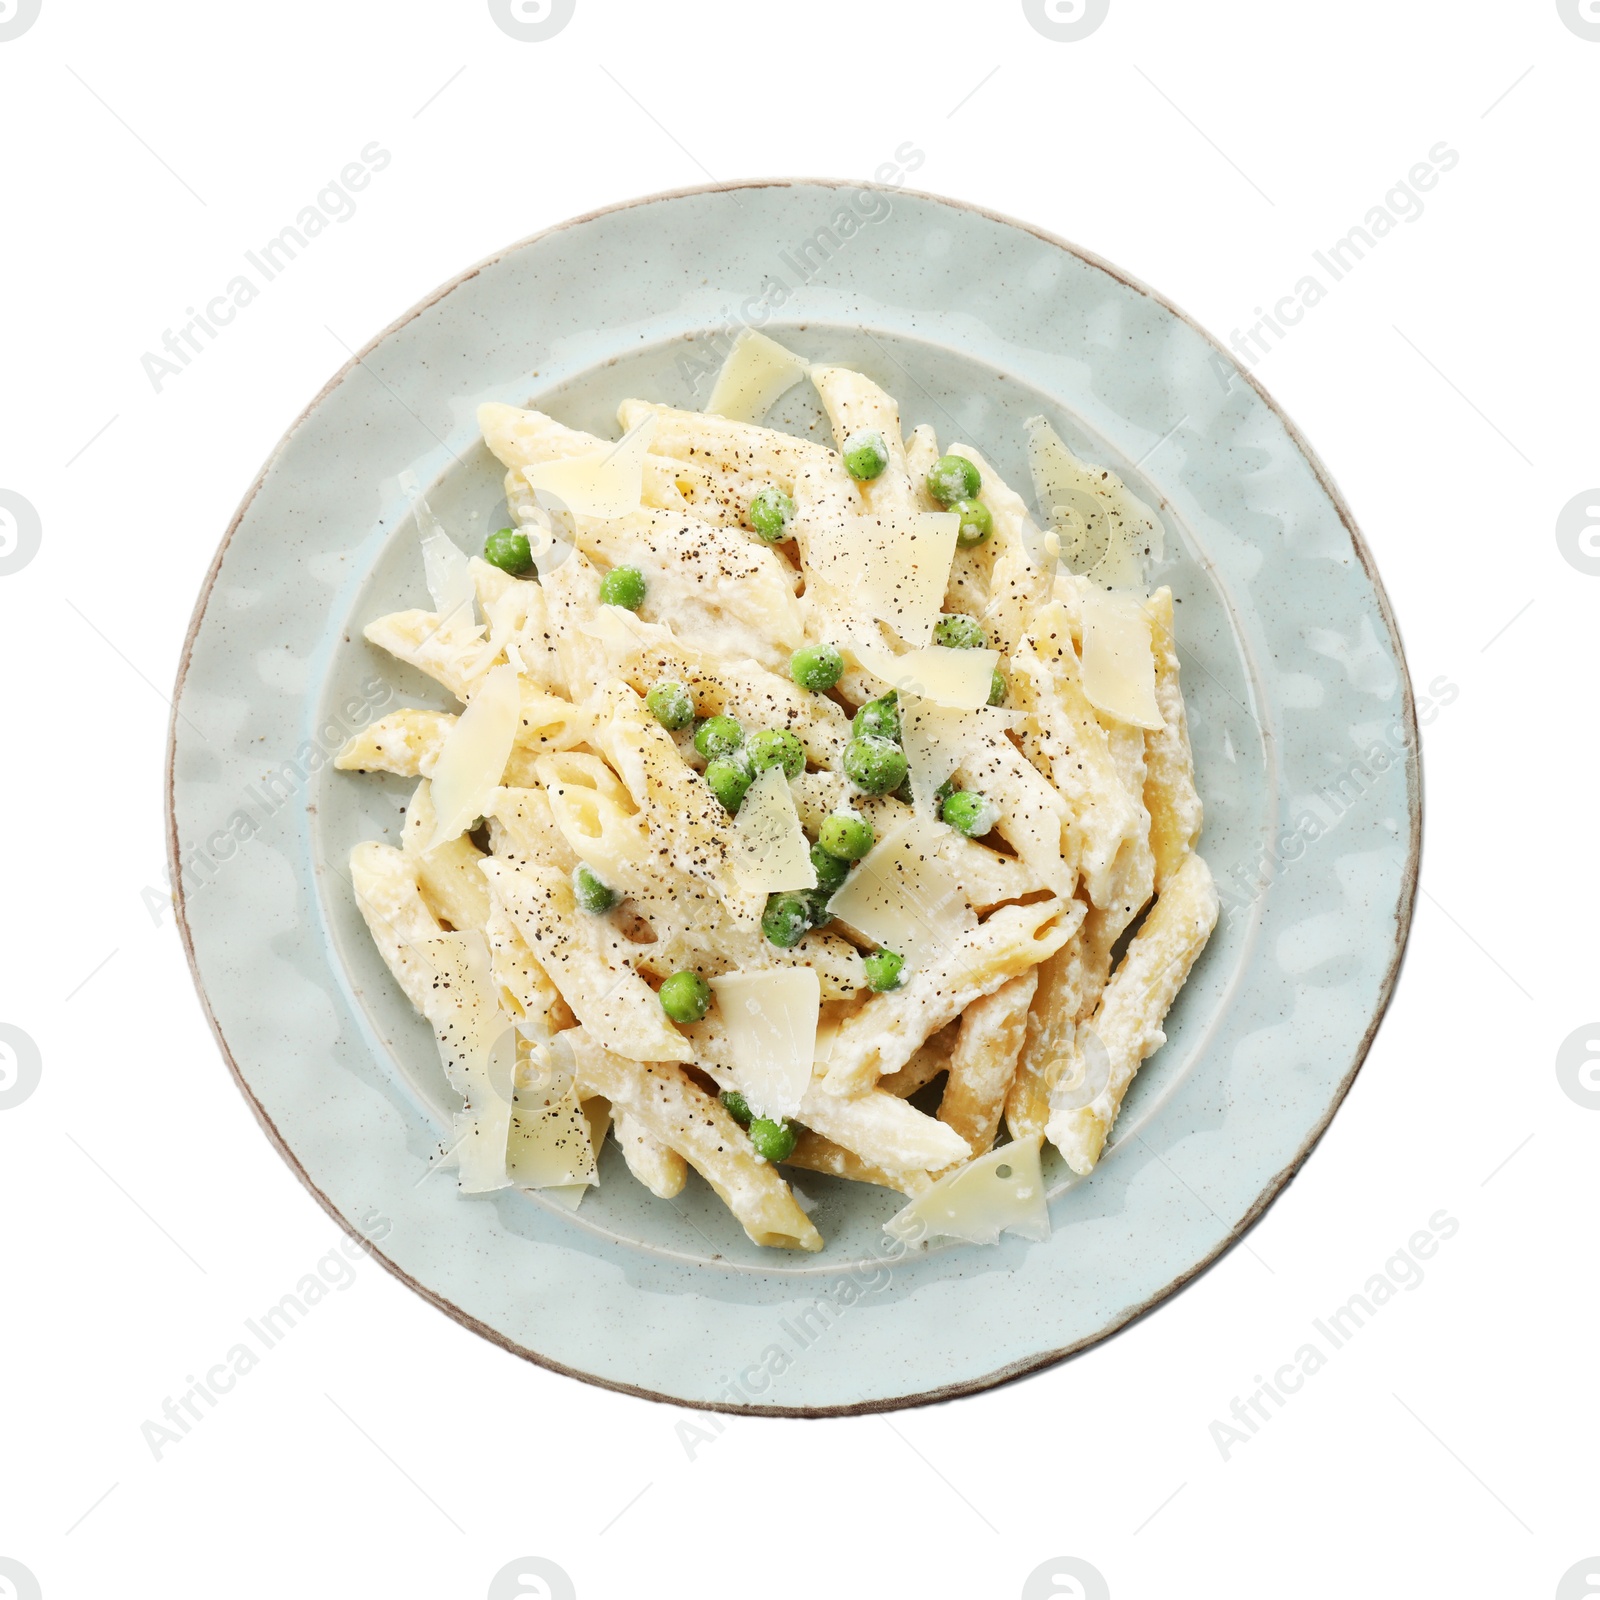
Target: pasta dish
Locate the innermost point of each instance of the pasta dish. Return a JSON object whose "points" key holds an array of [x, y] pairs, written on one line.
{"points": [[795, 787]]}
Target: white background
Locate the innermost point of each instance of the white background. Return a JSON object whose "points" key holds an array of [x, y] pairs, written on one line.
{"points": [[384, 1450]]}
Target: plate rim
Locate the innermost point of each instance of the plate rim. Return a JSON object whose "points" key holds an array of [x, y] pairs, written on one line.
{"points": [[1012, 1371]]}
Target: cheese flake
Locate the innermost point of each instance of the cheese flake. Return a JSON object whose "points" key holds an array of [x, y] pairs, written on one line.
{"points": [[599, 483], [937, 739], [771, 1019], [960, 678], [1119, 664], [445, 566], [996, 1193], [770, 850], [758, 370], [477, 1046], [892, 569], [903, 897], [1105, 531], [473, 759], [549, 1143]]}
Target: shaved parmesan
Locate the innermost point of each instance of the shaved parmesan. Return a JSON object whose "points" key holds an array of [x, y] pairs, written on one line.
{"points": [[894, 569], [473, 758], [597, 1112], [599, 483], [771, 1018], [1119, 664], [961, 678], [477, 1044], [937, 739], [902, 897], [1000, 1192], [1105, 532], [758, 370], [445, 565], [770, 851], [549, 1142]]}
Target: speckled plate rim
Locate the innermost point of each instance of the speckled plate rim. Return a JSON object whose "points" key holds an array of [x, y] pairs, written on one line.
{"points": [[1403, 914]]}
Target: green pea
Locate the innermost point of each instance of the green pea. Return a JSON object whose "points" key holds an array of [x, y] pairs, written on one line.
{"points": [[998, 688], [865, 454], [878, 719], [846, 834], [729, 778], [970, 813], [685, 997], [818, 915], [831, 871], [507, 549], [772, 1141], [718, 736], [953, 478], [883, 969], [777, 747], [875, 766], [736, 1106], [976, 524], [786, 918], [591, 894], [671, 704], [623, 586], [770, 514], [943, 793], [817, 668], [959, 632]]}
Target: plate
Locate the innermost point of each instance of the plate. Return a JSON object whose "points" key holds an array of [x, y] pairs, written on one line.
{"points": [[1301, 715]]}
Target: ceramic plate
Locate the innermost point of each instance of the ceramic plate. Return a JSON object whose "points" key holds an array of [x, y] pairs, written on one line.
{"points": [[1300, 710]]}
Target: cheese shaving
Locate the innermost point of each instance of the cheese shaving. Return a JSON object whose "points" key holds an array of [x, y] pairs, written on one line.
{"points": [[1105, 532], [892, 569], [599, 483], [770, 851], [903, 897], [960, 678], [771, 1019], [997, 1193], [445, 565], [757, 371], [1119, 664], [477, 1045], [937, 739], [473, 758]]}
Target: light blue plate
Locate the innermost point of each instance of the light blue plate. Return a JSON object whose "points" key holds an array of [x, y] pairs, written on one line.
{"points": [[1299, 705]]}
